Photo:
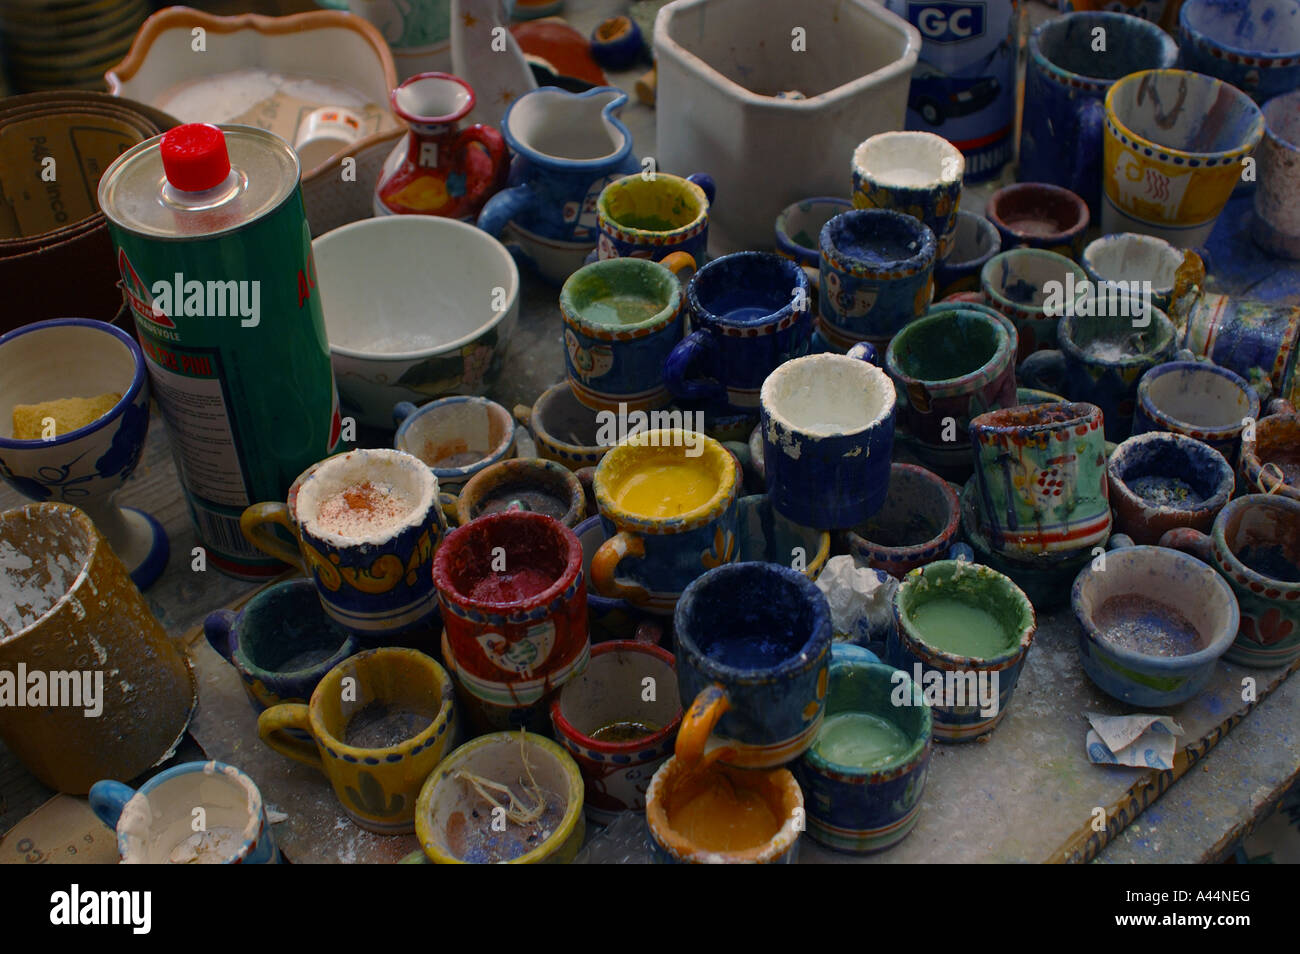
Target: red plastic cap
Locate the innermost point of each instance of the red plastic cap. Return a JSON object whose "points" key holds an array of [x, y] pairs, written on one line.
{"points": [[194, 157]]}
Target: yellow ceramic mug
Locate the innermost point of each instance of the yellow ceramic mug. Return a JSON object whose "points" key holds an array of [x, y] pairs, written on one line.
{"points": [[374, 698]]}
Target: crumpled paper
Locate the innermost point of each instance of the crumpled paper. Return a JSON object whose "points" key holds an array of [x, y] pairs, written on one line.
{"points": [[1140, 741], [861, 599]]}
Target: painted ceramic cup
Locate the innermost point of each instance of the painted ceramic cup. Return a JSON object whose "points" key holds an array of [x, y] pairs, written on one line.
{"points": [[1041, 474], [1034, 288], [753, 645], [653, 217], [677, 784], [1160, 481], [456, 436], [397, 709], [1039, 215], [751, 312], [617, 736], [918, 523], [528, 484], [1152, 624], [1142, 265], [1259, 340], [651, 557], [799, 228], [1254, 45], [1270, 462], [622, 318], [375, 582], [1255, 544], [453, 821], [877, 274], [975, 241], [71, 609], [828, 433], [1066, 81], [1011, 622], [955, 363], [564, 430], [282, 643], [763, 535], [862, 808], [917, 173], [1174, 147], [1277, 220], [514, 604], [155, 823], [1200, 400], [1100, 360]]}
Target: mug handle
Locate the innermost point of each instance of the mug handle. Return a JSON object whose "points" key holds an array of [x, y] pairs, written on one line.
{"points": [[696, 349], [606, 561], [1090, 121], [495, 147], [402, 410], [1044, 370], [218, 628], [504, 206], [449, 504], [865, 351], [107, 799], [681, 264], [1189, 541], [705, 182], [253, 522], [697, 726], [289, 715]]}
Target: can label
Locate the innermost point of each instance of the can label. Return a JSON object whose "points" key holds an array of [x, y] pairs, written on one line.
{"points": [[234, 337], [964, 83]]}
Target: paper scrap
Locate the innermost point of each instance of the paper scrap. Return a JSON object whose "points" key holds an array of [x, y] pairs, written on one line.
{"points": [[1140, 741]]}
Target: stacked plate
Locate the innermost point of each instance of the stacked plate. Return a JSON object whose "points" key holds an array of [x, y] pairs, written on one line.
{"points": [[63, 44]]}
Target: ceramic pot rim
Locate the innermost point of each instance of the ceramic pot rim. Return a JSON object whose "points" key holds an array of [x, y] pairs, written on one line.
{"points": [[256, 804], [1100, 18], [1226, 51], [1253, 466], [1223, 487], [537, 424], [573, 807], [783, 237], [705, 317], [917, 751], [984, 226], [1008, 193], [1291, 143], [557, 163], [520, 470], [774, 416], [879, 220], [944, 387], [1169, 339], [954, 184], [111, 416], [1208, 654], [927, 652], [992, 290], [1086, 258], [449, 118], [468, 470], [632, 646], [676, 234], [663, 317], [43, 511], [1220, 157], [568, 577], [328, 683], [710, 510], [1219, 539], [986, 429], [948, 534], [809, 655], [1165, 419], [246, 666]]}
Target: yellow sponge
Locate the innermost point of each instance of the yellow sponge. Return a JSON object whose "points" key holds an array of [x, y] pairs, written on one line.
{"points": [[68, 413]]}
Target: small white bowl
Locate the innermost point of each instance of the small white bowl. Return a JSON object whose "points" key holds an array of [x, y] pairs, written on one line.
{"points": [[416, 307]]}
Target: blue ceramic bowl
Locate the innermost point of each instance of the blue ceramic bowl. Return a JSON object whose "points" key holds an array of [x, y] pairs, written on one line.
{"points": [[1148, 603]]}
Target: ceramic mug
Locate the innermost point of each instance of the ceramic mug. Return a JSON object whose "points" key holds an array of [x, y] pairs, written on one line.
{"points": [[396, 707], [764, 535], [918, 524], [1270, 461], [617, 735], [1034, 288], [1202, 401], [1066, 81], [953, 364], [917, 173], [1143, 265], [622, 319], [1041, 475], [670, 516], [1260, 340], [1039, 215], [1160, 481], [529, 484], [1255, 544], [1100, 360], [963, 618], [154, 824], [975, 241], [366, 523], [751, 312], [1254, 45], [866, 801], [799, 228], [565, 430], [456, 436], [514, 607], [282, 643], [828, 432], [753, 647], [653, 215], [877, 274], [1174, 149], [1277, 223]]}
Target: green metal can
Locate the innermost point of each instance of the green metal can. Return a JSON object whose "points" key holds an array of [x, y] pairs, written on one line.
{"points": [[215, 256]]}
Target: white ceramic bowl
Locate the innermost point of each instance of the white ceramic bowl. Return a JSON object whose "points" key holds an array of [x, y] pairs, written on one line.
{"points": [[413, 311]]}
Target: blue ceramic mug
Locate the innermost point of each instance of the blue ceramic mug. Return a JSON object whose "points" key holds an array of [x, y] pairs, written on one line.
{"points": [[753, 648], [161, 830], [1066, 83], [828, 432], [751, 312], [876, 275], [653, 215], [1199, 400]]}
